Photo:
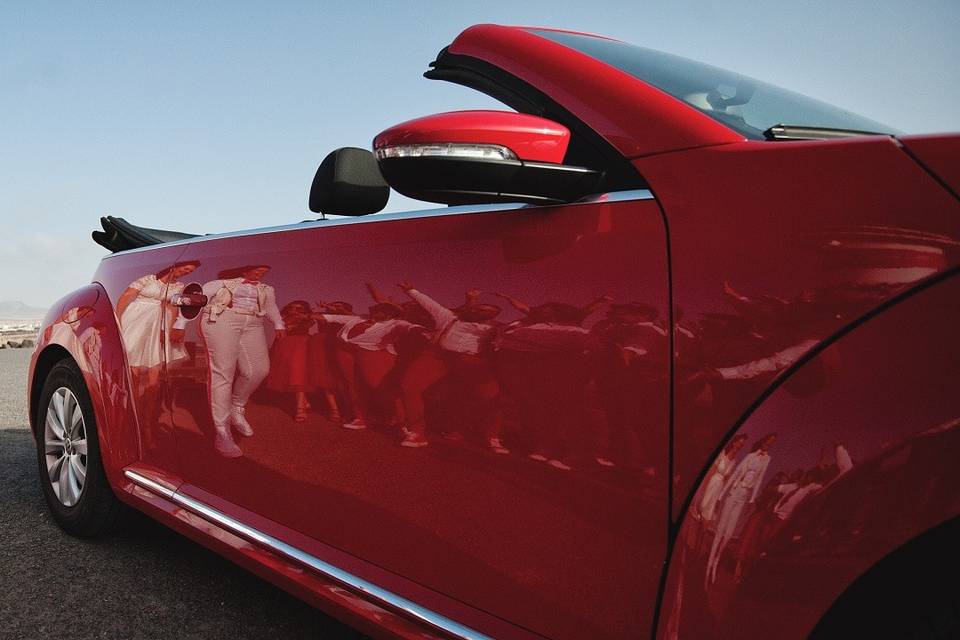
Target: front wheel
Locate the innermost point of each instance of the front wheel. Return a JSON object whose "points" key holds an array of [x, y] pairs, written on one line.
{"points": [[68, 455]]}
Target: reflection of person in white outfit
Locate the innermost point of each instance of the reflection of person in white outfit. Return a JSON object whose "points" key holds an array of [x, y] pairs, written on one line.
{"points": [[367, 353], [234, 332], [141, 318], [791, 499], [463, 334], [718, 477], [741, 489]]}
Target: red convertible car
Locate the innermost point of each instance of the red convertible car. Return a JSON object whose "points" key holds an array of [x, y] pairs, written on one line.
{"points": [[679, 360]]}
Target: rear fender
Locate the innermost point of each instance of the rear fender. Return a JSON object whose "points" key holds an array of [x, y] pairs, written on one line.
{"points": [[864, 461], [82, 326]]}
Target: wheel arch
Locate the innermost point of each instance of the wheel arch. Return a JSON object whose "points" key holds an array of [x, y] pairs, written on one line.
{"points": [[901, 485], [84, 329], [44, 362]]}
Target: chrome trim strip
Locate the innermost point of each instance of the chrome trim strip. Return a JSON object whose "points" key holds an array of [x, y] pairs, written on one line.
{"points": [[149, 484], [617, 196], [332, 572], [613, 196]]}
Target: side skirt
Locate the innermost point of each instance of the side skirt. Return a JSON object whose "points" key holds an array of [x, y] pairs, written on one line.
{"points": [[336, 577]]}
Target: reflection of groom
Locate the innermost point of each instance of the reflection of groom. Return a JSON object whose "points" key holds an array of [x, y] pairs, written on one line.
{"points": [[233, 328]]}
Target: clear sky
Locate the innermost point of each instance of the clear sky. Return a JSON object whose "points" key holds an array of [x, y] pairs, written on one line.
{"points": [[213, 116]]}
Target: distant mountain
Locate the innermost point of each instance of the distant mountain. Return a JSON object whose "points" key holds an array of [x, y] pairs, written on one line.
{"points": [[15, 310]]}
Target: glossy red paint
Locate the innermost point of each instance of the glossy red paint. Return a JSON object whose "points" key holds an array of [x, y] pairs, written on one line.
{"points": [[940, 154], [82, 326], [784, 259], [778, 247], [438, 501], [133, 296], [531, 138], [864, 461], [367, 617], [634, 117]]}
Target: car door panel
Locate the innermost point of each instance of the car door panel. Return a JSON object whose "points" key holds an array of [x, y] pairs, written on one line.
{"points": [[518, 538]]}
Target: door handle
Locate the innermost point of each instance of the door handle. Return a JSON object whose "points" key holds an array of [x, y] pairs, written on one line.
{"points": [[190, 300]]}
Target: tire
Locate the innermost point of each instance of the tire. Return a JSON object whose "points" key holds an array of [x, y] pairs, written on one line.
{"points": [[71, 471]]}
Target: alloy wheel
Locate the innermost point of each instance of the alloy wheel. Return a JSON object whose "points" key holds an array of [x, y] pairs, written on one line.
{"points": [[65, 446]]}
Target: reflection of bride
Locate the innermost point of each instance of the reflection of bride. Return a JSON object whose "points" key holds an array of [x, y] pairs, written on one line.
{"points": [[718, 478], [141, 321]]}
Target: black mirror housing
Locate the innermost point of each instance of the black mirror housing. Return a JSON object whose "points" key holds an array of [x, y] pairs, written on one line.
{"points": [[454, 181]]}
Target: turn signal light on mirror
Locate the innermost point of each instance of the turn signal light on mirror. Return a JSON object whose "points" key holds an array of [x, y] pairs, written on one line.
{"points": [[447, 150]]}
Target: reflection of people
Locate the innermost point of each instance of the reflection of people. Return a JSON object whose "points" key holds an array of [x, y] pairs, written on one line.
{"points": [[797, 330], [718, 477], [791, 499], [234, 332], [366, 353], [544, 312], [141, 320], [543, 366], [463, 336], [760, 523], [289, 357], [844, 461], [630, 366], [741, 489], [324, 373]]}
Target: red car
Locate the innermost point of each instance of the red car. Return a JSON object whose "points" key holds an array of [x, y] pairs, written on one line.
{"points": [[680, 361]]}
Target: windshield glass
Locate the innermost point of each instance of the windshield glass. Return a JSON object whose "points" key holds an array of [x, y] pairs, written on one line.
{"points": [[747, 106]]}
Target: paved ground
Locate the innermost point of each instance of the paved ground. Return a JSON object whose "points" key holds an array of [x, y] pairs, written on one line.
{"points": [[140, 583]]}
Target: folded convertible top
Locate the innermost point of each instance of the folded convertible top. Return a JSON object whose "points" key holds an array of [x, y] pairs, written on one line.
{"points": [[120, 235]]}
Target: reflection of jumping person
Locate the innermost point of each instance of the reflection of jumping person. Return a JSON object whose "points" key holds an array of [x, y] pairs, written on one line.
{"points": [[463, 336], [741, 489], [234, 332], [545, 312], [366, 353], [543, 366], [630, 367]]}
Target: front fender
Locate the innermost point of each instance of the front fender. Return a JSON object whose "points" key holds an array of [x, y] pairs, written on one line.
{"points": [[83, 326], [864, 460]]}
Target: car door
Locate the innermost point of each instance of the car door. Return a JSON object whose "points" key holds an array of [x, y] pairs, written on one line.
{"points": [[559, 525]]}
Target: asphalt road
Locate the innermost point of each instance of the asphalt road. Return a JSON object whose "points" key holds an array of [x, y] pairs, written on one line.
{"points": [[143, 582]]}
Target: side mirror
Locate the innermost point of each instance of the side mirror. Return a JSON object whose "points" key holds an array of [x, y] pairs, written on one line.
{"points": [[473, 157]]}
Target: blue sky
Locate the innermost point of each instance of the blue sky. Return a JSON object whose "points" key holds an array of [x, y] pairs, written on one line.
{"points": [[214, 117]]}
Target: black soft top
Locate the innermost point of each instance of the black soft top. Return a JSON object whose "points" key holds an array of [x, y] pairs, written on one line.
{"points": [[120, 235]]}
